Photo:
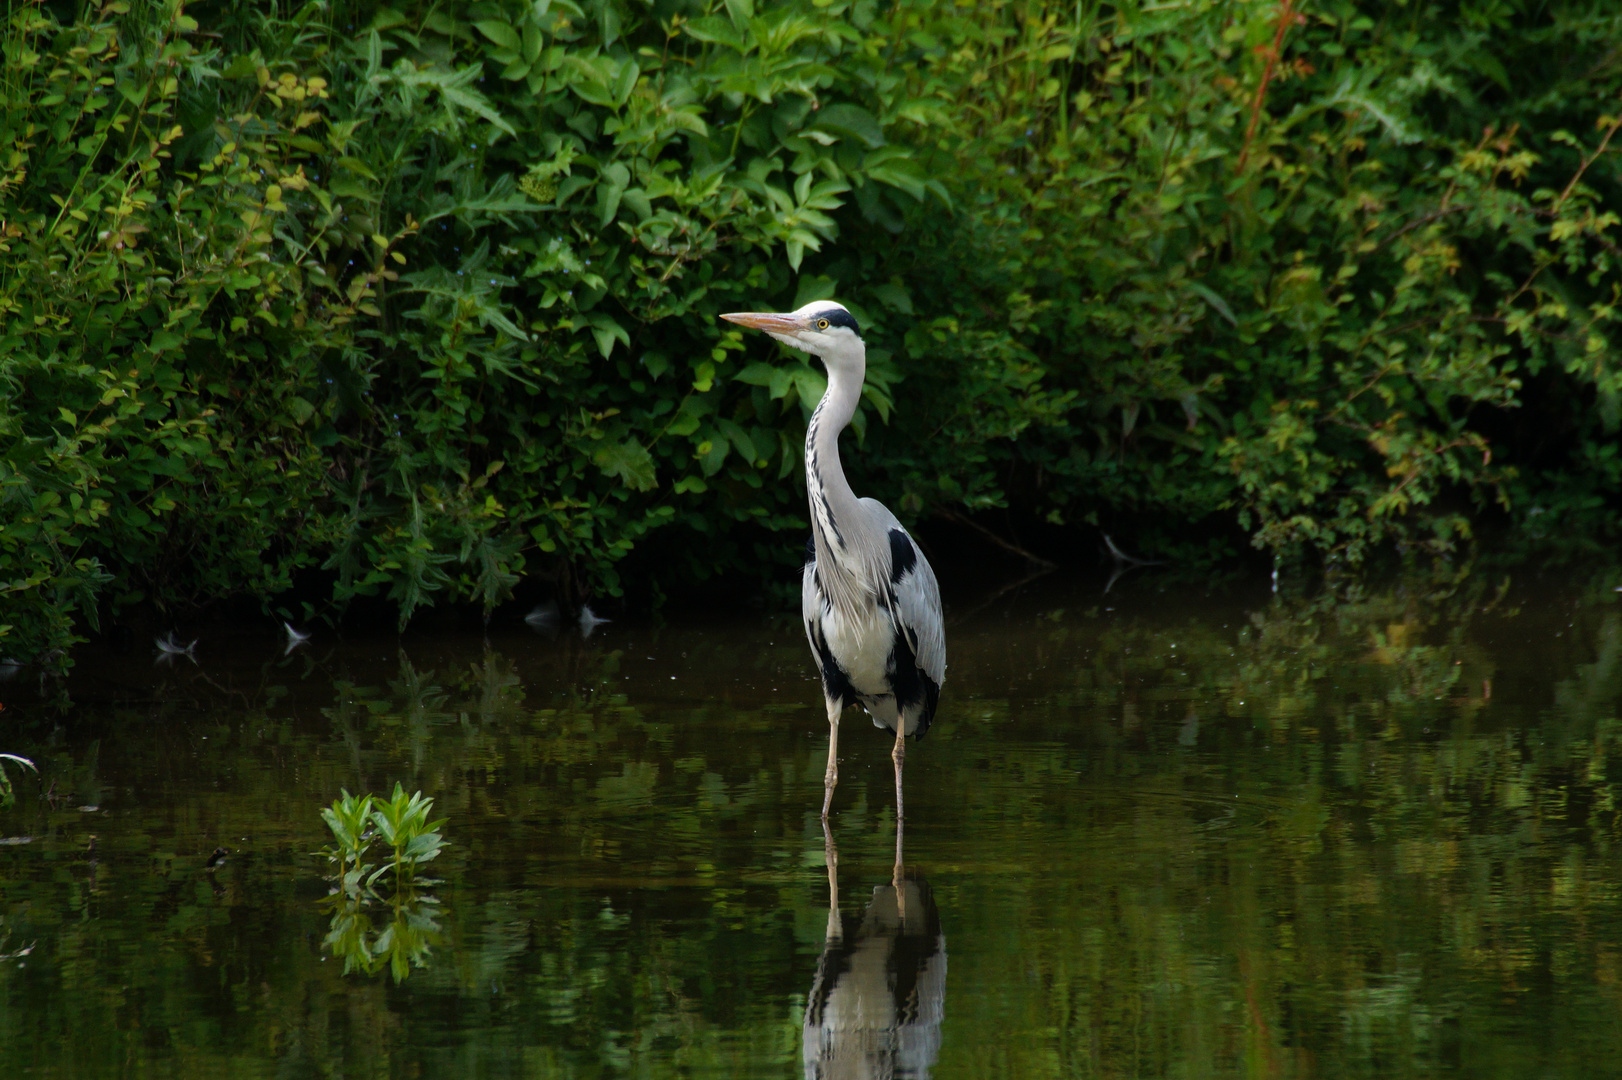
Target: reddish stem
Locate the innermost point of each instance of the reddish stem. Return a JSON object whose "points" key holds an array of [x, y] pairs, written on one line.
{"points": [[1285, 18], [1617, 123]]}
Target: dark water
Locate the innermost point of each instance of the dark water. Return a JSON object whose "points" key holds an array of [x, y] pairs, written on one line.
{"points": [[1154, 833]]}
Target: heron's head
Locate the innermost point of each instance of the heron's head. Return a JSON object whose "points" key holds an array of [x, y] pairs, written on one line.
{"points": [[822, 328]]}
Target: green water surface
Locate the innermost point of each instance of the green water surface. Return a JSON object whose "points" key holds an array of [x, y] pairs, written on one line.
{"points": [[1167, 831]]}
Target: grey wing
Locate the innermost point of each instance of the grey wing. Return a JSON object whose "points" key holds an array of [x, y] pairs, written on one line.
{"points": [[918, 610], [917, 595]]}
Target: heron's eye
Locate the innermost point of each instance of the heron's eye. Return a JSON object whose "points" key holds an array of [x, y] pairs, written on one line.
{"points": [[822, 324]]}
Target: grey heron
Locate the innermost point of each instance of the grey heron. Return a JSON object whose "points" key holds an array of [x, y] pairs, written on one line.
{"points": [[871, 605]]}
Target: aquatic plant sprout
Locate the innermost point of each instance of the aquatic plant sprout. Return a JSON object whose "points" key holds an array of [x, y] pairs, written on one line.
{"points": [[401, 821], [403, 824]]}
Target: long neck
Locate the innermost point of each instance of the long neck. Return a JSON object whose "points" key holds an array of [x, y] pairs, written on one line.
{"points": [[834, 508]]}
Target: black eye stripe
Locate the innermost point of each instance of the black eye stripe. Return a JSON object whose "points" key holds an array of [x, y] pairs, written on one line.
{"points": [[838, 317]]}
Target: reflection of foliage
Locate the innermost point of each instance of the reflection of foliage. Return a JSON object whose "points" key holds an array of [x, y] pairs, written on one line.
{"points": [[1374, 833], [1370, 827], [7, 953], [400, 822], [7, 793], [401, 944]]}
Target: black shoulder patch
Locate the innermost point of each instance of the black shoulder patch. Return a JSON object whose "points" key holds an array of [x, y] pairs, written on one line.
{"points": [[914, 691], [903, 556], [811, 548], [840, 317]]}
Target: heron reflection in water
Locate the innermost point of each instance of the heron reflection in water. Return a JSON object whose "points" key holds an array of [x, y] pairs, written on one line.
{"points": [[875, 1007]]}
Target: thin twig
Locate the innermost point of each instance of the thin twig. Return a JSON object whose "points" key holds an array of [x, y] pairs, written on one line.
{"points": [[1037, 560], [1286, 17], [1423, 219], [958, 617], [1603, 143]]}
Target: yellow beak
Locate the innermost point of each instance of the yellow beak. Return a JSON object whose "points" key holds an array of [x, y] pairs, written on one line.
{"points": [[769, 321]]}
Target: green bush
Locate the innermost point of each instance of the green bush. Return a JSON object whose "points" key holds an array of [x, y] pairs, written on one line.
{"points": [[423, 298], [280, 298], [1294, 266]]}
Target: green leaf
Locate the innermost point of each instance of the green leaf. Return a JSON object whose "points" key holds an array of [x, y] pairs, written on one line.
{"points": [[893, 295], [606, 332], [903, 173], [740, 440], [811, 385], [476, 103], [716, 30], [625, 82], [501, 34], [850, 121], [628, 462], [1216, 303], [757, 374]]}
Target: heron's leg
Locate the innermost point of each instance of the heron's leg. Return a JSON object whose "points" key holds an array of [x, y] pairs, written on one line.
{"points": [[898, 755], [830, 855], [831, 776]]}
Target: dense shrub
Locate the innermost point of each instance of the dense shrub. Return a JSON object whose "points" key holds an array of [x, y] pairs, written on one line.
{"points": [[1343, 272], [424, 296]]}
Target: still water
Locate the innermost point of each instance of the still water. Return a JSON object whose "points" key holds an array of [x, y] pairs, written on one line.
{"points": [[1167, 831]]}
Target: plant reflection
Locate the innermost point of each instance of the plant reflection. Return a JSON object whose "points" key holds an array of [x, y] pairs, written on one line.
{"points": [[400, 943], [877, 1001]]}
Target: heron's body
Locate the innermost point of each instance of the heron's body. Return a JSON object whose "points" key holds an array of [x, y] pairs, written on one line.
{"points": [[874, 656], [870, 601]]}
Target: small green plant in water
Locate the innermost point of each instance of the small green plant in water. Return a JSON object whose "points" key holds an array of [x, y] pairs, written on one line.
{"points": [[401, 822]]}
